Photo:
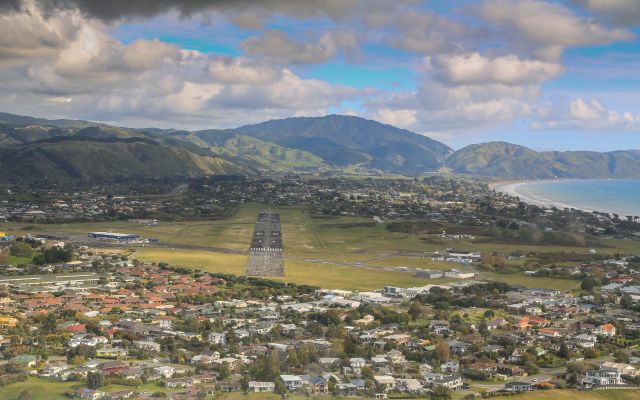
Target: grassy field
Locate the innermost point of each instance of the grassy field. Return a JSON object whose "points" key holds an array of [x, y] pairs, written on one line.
{"points": [[333, 239], [199, 259], [533, 281], [324, 275], [13, 260], [55, 390], [582, 395]]}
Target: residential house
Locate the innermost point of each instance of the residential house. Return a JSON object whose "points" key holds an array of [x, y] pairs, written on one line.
{"points": [[385, 383], [260, 387], [518, 386], [291, 382], [602, 377]]}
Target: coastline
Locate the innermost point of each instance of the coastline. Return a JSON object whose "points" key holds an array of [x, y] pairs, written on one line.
{"points": [[510, 188]]}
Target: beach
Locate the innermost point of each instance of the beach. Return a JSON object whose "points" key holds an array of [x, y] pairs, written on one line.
{"points": [[518, 189]]}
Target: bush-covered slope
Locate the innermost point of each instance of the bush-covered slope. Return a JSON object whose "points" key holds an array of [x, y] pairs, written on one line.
{"points": [[63, 159]]}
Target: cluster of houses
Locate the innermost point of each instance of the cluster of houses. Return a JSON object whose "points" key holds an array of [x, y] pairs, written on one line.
{"points": [[123, 324]]}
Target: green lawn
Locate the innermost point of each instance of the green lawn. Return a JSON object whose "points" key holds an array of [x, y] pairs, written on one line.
{"points": [[581, 395], [13, 260], [564, 285], [55, 390]]}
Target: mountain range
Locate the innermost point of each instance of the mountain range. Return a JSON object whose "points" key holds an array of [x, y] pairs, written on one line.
{"points": [[61, 150]]}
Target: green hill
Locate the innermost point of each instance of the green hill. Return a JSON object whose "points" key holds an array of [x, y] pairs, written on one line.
{"points": [[32, 148], [345, 140], [260, 154], [508, 160], [80, 158]]}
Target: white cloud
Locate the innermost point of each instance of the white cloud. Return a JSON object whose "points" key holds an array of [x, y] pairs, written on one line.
{"points": [[83, 72], [585, 115], [403, 118], [242, 70], [277, 45], [547, 27], [420, 31], [475, 69], [624, 12]]}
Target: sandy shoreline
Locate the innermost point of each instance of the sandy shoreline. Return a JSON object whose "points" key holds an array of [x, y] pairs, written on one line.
{"points": [[514, 189]]}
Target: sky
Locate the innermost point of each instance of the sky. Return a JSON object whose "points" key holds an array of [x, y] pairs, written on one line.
{"points": [[547, 74]]}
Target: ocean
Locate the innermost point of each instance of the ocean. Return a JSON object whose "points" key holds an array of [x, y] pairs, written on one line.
{"points": [[613, 196]]}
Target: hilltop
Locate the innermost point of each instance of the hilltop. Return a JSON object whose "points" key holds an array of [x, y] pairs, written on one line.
{"points": [[68, 149]]}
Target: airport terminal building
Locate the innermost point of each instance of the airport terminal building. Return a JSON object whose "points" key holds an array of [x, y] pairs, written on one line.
{"points": [[116, 237]]}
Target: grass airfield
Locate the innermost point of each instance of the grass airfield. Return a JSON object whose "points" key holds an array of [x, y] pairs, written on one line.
{"points": [[332, 252]]}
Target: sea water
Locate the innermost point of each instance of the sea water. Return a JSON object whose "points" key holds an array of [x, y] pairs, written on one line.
{"points": [[613, 196]]}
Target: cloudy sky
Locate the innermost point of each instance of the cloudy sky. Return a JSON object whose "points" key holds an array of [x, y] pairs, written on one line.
{"points": [[547, 74]]}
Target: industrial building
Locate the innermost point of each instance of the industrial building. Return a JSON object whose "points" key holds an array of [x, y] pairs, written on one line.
{"points": [[118, 237], [48, 283], [265, 253]]}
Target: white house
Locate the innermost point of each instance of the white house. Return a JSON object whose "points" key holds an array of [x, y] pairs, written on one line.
{"points": [[260, 387], [291, 382], [602, 376], [217, 338]]}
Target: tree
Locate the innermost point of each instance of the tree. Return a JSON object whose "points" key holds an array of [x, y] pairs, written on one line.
{"points": [[224, 371], [441, 393], [333, 386], [244, 384], [21, 249], [626, 301], [416, 310], [489, 314], [620, 356], [95, 380], [279, 388], [482, 327], [442, 350], [591, 353], [564, 351], [292, 358], [589, 283], [531, 368], [25, 395], [366, 373], [575, 370]]}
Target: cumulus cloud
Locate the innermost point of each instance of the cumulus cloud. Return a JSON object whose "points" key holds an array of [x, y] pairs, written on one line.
{"points": [[623, 12], [277, 45], [242, 70], [421, 31], [70, 64], [403, 118], [475, 69], [548, 27], [583, 114], [60, 58], [247, 12]]}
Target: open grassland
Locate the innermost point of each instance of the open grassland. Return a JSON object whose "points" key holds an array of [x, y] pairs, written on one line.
{"points": [[55, 390], [198, 259], [323, 275], [582, 395], [414, 262], [564, 285], [333, 240], [13, 260]]}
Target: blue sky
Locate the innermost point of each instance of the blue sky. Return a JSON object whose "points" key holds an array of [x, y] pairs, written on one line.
{"points": [[546, 74]]}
